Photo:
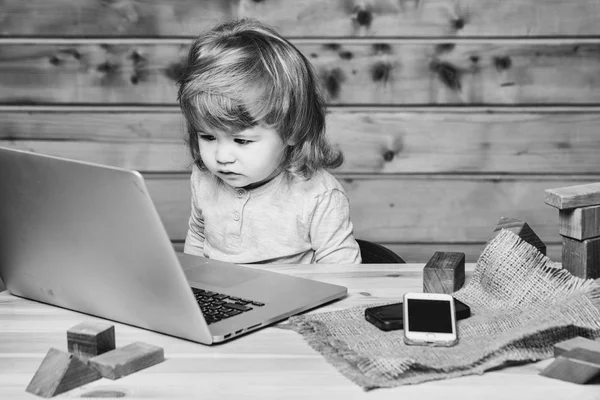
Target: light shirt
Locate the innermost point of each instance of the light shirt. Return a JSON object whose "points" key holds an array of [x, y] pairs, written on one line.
{"points": [[287, 220]]}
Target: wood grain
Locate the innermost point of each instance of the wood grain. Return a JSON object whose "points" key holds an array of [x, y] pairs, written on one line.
{"points": [[373, 141], [302, 18], [577, 342], [444, 272], [575, 366], [394, 73], [59, 373], [420, 252], [88, 339], [126, 360], [409, 209], [521, 229], [573, 196], [582, 257], [269, 362], [580, 223]]}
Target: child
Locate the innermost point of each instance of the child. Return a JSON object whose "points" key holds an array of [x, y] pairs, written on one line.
{"points": [[256, 124]]}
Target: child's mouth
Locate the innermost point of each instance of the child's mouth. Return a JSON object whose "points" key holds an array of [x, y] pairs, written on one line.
{"points": [[227, 173]]}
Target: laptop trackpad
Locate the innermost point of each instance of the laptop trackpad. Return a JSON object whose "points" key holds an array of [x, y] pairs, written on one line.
{"points": [[221, 277]]}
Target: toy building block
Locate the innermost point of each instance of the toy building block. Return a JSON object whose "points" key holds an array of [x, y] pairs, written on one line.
{"points": [[573, 196], [577, 366], [581, 257], [577, 342], [60, 372], [580, 223], [90, 339], [522, 230], [444, 272], [127, 360]]}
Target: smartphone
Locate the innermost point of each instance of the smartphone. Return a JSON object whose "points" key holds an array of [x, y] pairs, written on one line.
{"points": [[429, 319], [390, 317]]}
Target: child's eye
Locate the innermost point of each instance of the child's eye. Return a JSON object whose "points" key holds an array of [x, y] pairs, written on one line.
{"points": [[243, 141], [206, 138]]}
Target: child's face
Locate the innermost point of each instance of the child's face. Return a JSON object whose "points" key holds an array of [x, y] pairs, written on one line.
{"points": [[245, 159]]}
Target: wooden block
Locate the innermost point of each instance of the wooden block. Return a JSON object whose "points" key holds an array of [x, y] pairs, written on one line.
{"points": [[444, 272], [581, 257], [90, 339], [577, 342], [60, 372], [577, 366], [573, 196], [127, 360], [521, 229], [580, 223]]}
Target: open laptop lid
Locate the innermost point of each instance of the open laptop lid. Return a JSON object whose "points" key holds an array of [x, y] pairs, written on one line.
{"points": [[48, 203]]}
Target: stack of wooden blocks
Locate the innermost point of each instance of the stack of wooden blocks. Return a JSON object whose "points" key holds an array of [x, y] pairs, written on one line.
{"points": [[92, 355], [579, 225]]}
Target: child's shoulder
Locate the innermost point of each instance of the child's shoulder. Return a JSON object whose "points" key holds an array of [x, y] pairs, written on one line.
{"points": [[321, 182]]}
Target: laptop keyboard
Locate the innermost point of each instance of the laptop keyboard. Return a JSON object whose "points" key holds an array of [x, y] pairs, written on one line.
{"points": [[217, 306]]}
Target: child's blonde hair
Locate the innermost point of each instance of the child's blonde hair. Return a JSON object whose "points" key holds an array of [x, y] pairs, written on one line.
{"points": [[241, 74]]}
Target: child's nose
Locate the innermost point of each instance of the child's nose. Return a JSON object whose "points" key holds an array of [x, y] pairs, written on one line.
{"points": [[224, 154]]}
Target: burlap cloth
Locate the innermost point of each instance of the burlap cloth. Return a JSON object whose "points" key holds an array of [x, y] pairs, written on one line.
{"points": [[521, 305]]}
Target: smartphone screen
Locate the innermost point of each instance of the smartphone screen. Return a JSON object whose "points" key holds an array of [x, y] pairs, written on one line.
{"points": [[429, 316]]}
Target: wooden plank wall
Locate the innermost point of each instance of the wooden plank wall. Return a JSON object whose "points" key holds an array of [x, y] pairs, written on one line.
{"points": [[451, 113]]}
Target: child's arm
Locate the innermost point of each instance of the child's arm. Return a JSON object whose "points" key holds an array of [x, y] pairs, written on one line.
{"points": [[194, 241], [332, 232]]}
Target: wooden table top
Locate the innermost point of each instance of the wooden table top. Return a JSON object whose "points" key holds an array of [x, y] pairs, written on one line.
{"points": [[268, 364]]}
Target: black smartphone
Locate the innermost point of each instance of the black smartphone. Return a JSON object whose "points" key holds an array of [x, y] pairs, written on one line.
{"points": [[389, 317]]}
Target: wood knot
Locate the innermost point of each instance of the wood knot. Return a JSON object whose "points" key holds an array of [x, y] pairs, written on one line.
{"points": [[381, 71], [107, 67], [332, 46], [137, 58], [447, 73], [383, 48], [333, 81], [502, 63], [363, 17], [444, 47], [458, 24], [175, 71], [388, 155], [346, 55]]}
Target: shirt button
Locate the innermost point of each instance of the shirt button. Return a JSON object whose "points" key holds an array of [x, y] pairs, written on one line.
{"points": [[241, 192], [236, 216]]}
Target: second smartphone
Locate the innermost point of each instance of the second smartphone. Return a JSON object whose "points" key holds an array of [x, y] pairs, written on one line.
{"points": [[389, 317]]}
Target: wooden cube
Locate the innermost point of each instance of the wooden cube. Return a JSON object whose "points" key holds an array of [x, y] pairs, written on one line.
{"points": [[127, 360], [580, 223], [90, 339], [577, 342], [581, 257], [521, 229], [60, 372], [444, 272], [573, 196], [576, 366]]}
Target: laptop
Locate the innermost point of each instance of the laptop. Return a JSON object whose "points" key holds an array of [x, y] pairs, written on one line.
{"points": [[87, 237]]}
